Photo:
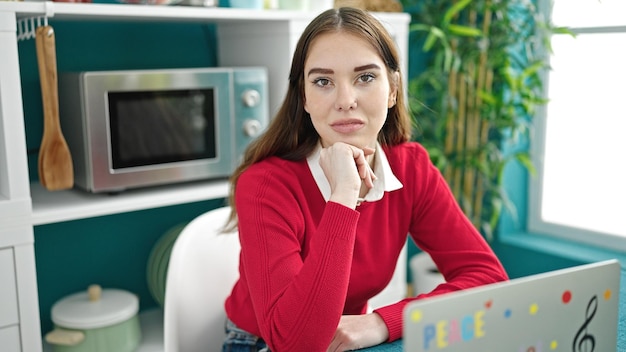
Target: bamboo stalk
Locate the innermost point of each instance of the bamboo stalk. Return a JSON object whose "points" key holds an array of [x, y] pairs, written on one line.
{"points": [[471, 141], [460, 126], [484, 136], [485, 80], [450, 130], [471, 132]]}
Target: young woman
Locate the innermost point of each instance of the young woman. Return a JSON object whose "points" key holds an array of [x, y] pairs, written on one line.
{"points": [[325, 199]]}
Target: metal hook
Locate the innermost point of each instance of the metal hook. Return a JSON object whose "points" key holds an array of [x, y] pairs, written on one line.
{"points": [[33, 28], [20, 32]]}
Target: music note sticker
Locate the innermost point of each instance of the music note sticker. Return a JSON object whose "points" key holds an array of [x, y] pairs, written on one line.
{"points": [[585, 341]]}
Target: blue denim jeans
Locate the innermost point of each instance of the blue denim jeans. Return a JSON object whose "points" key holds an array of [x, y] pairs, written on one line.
{"points": [[238, 340]]}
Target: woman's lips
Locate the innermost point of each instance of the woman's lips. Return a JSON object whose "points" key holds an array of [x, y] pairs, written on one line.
{"points": [[347, 126]]}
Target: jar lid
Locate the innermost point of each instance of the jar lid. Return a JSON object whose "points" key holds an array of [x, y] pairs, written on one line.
{"points": [[95, 308]]}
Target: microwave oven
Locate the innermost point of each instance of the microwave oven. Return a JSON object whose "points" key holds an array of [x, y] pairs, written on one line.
{"points": [[136, 128]]}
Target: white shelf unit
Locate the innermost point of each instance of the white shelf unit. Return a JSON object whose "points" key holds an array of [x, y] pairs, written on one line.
{"points": [[245, 38], [52, 207]]}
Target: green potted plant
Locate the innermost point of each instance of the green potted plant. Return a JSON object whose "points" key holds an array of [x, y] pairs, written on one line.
{"points": [[477, 93]]}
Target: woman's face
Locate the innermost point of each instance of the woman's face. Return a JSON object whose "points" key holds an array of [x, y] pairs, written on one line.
{"points": [[347, 89]]}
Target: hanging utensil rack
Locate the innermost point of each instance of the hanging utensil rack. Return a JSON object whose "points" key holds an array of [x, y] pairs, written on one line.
{"points": [[27, 26]]}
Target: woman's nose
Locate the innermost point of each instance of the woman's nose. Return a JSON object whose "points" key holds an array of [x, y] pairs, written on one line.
{"points": [[346, 98]]}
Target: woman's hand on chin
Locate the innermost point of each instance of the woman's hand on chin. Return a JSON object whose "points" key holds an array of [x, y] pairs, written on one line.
{"points": [[346, 168]]}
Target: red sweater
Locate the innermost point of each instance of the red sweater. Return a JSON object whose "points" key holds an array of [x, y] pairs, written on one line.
{"points": [[305, 262]]}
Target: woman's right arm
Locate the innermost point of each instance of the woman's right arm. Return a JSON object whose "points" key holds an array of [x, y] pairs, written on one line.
{"points": [[297, 281]]}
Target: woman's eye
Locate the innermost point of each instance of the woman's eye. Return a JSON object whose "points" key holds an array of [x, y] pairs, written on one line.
{"points": [[321, 82], [367, 77]]}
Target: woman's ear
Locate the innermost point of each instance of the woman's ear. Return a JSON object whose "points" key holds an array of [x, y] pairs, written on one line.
{"points": [[393, 91], [304, 104]]}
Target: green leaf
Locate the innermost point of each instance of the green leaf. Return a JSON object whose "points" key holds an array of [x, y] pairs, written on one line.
{"points": [[533, 69], [434, 34], [429, 42], [453, 11], [464, 31], [524, 159], [487, 98], [419, 28]]}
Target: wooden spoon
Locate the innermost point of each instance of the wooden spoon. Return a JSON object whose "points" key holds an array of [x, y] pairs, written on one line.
{"points": [[55, 161]]}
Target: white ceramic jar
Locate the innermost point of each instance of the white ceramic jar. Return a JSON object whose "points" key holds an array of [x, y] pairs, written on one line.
{"points": [[96, 320]]}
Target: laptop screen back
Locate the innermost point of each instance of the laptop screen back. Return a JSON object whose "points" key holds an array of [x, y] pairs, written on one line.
{"points": [[573, 309]]}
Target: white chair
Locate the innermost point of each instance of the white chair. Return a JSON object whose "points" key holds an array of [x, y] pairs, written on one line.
{"points": [[203, 267], [396, 289]]}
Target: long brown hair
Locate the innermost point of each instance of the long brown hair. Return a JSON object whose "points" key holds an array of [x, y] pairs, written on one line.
{"points": [[291, 134]]}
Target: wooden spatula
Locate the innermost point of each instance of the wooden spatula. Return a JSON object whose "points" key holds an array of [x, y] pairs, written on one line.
{"points": [[55, 161]]}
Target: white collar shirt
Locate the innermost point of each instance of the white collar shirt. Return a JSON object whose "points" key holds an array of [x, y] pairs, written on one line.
{"points": [[386, 181]]}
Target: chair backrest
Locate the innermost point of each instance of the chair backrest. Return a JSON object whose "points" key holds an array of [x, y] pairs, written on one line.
{"points": [[203, 267]]}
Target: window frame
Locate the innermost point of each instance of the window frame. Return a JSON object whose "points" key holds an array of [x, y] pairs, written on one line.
{"points": [[535, 223]]}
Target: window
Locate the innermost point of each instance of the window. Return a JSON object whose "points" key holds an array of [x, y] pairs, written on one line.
{"points": [[579, 146]]}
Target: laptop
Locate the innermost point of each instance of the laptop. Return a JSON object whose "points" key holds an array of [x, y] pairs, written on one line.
{"points": [[572, 309]]}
